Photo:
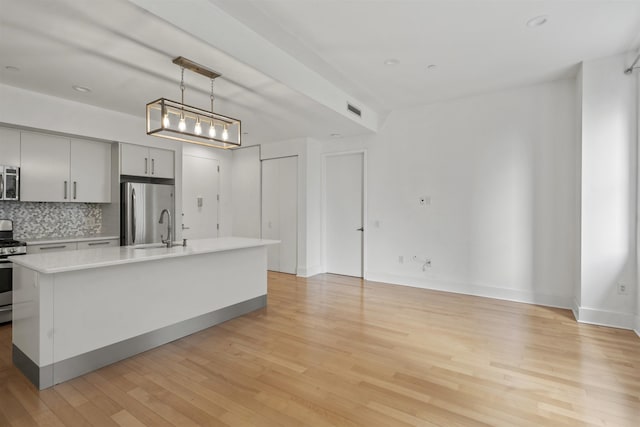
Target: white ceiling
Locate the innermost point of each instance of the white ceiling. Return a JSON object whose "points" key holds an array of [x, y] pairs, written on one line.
{"points": [[478, 46], [123, 53]]}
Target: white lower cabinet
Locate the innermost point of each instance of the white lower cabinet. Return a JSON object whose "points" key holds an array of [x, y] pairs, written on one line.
{"points": [[71, 246], [51, 247], [98, 244]]}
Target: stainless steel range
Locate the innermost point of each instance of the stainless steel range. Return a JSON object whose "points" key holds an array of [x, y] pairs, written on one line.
{"points": [[8, 247]]}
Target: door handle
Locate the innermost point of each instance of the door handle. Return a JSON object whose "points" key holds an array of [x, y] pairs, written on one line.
{"points": [[185, 228], [133, 216], [360, 229]]}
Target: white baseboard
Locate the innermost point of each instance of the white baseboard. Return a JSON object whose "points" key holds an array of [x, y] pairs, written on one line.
{"points": [[559, 301], [309, 271], [575, 309], [613, 319], [637, 328]]}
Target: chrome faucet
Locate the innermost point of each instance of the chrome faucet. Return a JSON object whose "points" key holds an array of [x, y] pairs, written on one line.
{"points": [[169, 241]]}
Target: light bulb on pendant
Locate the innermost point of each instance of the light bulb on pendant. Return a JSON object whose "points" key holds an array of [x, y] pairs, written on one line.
{"points": [[212, 131], [225, 133], [197, 129], [165, 121], [182, 125]]}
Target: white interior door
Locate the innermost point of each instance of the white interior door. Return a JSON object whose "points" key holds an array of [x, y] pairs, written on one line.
{"points": [[200, 177], [344, 214], [280, 212]]}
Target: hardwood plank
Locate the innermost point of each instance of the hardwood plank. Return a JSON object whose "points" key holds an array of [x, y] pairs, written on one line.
{"points": [[335, 350]]}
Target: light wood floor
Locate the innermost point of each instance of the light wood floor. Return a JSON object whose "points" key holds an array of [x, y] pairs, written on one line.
{"points": [[333, 350]]}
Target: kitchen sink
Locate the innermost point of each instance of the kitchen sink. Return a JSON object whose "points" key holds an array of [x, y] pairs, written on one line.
{"points": [[150, 246]]}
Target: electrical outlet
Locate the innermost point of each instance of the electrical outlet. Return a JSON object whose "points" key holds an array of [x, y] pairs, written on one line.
{"points": [[622, 289], [425, 261]]}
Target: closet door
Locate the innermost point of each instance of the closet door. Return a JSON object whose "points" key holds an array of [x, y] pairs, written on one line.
{"points": [[280, 212]]}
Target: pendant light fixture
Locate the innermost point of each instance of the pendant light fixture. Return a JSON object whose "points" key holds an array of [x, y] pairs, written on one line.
{"points": [[181, 122]]}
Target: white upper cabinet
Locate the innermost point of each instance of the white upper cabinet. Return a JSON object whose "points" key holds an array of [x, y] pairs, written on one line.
{"points": [[162, 165], [57, 169], [44, 172], [10, 143], [90, 173], [134, 160], [137, 160]]}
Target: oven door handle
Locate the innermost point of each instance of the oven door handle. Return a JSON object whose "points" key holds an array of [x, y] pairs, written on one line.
{"points": [[5, 264]]}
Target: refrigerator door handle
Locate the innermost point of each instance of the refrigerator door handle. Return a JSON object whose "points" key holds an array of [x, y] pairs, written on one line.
{"points": [[133, 216]]}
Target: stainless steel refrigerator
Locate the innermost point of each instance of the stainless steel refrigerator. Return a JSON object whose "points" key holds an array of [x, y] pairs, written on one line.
{"points": [[141, 206]]}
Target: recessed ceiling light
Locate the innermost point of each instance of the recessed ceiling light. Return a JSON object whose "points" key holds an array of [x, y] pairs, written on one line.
{"points": [[336, 135], [81, 89], [432, 67], [537, 21], [12, 68], [391, 61]]}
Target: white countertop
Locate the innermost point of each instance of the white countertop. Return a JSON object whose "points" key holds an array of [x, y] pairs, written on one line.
{"points": [[59, 262], [69, 239]]}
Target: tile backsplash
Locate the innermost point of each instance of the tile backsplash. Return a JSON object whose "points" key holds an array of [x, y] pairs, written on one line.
{"points": [[36, 220]]}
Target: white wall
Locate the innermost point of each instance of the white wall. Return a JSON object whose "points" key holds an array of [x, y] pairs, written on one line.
{"points": [[245, 191], [501, 172], [636, 76], [577, 288], [314, 207], [608, 254]]}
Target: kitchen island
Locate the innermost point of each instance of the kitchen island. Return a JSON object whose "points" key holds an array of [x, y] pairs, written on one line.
{"points": [[74, 312]]}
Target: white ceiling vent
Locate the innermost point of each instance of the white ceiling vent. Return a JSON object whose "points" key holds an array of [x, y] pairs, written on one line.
{"points": [[355, 110]]}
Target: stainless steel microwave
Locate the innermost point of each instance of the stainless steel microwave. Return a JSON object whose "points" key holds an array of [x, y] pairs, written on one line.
{"points": [[9, 183]]}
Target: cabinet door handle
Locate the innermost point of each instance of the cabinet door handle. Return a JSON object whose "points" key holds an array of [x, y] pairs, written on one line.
{"points": [[146, 168], [53, 247], [98, 243], [65, 190], [153, 166], [75, 190]]}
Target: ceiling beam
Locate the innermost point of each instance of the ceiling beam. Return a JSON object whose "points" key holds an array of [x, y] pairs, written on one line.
{"points": [[209, 23]]}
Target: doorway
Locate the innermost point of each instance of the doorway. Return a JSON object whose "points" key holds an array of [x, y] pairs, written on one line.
{"points": [[200, 190], [344, 215], [280, 212]]}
